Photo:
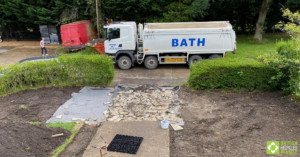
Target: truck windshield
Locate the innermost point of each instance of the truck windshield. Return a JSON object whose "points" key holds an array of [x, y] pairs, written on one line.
{"points": [[113, 33]]}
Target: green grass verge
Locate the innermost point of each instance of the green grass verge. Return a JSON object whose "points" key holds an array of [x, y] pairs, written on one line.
{"points": [[66, 126]]}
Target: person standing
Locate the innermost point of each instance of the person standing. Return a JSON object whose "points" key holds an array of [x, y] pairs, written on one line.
{"points": [[42, 44]]}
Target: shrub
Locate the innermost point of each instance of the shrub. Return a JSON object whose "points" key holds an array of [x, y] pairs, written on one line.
{"points": [[63, 71], [231, 73], [288, 49], [287, 72], [295, 78]]}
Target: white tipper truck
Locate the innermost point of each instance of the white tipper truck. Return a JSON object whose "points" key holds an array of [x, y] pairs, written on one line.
{"points": [[167, 43]]}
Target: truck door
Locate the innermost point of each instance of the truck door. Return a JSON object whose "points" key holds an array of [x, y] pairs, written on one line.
{"points": [[113, 43]]}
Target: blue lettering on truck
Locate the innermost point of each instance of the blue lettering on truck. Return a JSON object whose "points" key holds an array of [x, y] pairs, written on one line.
{"points": [[189, 42]]}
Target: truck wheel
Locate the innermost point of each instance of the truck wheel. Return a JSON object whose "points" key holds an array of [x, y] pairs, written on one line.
{"points": [[151, 62], [194, 58], [214, 56], [124, 63]]}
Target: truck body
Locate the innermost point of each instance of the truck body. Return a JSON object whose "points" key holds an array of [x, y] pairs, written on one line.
{"points": [[75, 35], [168, 43]]}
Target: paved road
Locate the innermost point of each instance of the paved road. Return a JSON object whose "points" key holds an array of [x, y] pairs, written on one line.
{"points": [[164, 75]]}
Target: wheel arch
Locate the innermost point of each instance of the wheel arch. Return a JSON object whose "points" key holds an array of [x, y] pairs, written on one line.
{"points": [[125, 53]]}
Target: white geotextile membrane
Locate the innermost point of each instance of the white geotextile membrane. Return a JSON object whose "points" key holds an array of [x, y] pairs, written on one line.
{"points": [[87, 105]]}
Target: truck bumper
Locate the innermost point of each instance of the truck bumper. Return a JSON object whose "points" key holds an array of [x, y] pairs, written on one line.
{"points": [[112, 55]]}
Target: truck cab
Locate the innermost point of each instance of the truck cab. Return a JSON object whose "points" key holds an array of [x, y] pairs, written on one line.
{"points": [[121, 42]]}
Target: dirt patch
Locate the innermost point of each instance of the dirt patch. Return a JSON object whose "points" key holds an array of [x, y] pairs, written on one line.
{"points": [[23, 139], [18, 138], [234, 124], [81, 141]]}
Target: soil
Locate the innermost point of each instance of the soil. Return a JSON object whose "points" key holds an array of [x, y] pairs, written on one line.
{"points": [[232, 124], [80, 142], [17, 136]]}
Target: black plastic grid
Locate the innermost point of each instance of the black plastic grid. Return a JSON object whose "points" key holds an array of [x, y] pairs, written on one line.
{"points": [[125, 144]]}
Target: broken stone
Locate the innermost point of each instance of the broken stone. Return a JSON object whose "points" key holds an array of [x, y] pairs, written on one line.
{"points": [[176, 127], [124, 113], [106, 112], [76, 119], [66, 107], [106, 103], [117, 120], [58, 116], [113, 118]]}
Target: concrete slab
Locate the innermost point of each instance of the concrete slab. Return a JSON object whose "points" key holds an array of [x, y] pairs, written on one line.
{"points": [[155, 144]]}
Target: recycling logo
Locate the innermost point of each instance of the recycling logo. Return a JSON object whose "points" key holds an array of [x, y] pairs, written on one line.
{"points": [[273, 147]]}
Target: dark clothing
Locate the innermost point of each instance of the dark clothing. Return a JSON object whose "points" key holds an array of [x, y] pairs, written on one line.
{"points": [[44, 48]]}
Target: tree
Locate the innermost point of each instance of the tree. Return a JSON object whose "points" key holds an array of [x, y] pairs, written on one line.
{"points": [[292, 27], [185, 10], [261, 19]]}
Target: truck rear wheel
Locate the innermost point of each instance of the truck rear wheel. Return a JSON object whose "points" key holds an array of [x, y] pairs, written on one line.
{"points": [[214, 56], [124, 63], [151, 62], [193, 59]]}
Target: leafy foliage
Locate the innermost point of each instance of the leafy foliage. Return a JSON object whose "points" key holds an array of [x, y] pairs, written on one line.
{"points": [[19, 16], [288, 49], [72, 70], [293, 26], [231, 73]]}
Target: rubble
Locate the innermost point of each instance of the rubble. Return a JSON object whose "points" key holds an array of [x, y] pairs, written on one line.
{"points": [[145, 104], [176, 127]]}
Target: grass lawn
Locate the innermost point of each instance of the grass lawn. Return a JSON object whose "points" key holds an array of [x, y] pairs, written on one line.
{"points": [[247, 47]]}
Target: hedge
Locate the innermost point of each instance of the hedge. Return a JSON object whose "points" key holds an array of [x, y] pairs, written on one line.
{"points": [[295, 78], [73, 70], [231, 73]]}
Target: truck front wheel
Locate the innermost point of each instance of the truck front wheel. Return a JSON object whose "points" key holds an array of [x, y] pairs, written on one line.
{"points": [[124, 63], [193, 59], [151, 62]]}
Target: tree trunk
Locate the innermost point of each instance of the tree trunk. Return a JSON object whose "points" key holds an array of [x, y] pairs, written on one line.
{"points": [[261, 19], [97, 16]]}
